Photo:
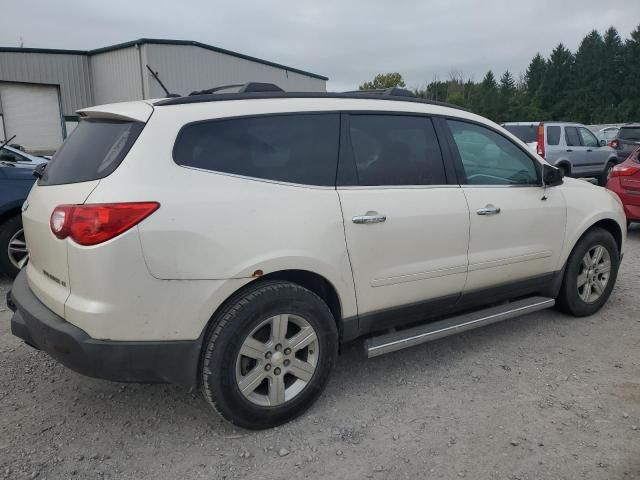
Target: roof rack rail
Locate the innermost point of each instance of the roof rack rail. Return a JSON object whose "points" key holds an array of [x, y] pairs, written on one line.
{"points": [[242, 88], [198, 97], [387, 92]]}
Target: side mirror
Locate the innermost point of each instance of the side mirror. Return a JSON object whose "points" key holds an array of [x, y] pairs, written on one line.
{"points": [[603, 143], [552, 176]]}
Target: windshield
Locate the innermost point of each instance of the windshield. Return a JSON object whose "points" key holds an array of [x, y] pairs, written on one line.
{"points": [[526, 133]]}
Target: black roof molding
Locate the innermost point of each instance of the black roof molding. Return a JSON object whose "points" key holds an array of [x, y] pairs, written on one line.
{"points": [[361, 95], [163, 41]]}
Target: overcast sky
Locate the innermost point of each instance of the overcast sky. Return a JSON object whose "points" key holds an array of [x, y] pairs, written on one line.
{"points": [[349, 41]]}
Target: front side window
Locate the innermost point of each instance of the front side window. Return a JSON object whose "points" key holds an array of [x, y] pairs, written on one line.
{"points": [[488, 158], [588, 138], [7, 155], [572, 137], [295, 148], [395, 150]]}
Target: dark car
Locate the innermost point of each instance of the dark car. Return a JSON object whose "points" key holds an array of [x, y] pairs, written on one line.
{"points": [[16, 179], [627, 140]]}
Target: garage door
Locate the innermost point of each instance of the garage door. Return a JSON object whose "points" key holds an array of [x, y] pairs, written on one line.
{"points": [[32, 114]]}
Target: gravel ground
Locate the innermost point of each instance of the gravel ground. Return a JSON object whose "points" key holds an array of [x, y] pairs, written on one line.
{"points": [[542, 397]]}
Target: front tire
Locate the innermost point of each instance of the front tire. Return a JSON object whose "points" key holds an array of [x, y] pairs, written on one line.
{"points": [[268, 354], [590, 274]]}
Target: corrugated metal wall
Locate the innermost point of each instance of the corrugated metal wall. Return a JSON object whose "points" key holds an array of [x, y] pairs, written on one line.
{"points": [[116, 75], [184, 68], [71, 72]]}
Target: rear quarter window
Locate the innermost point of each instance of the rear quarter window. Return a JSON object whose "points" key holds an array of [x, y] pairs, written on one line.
{"points": [[553, 135], [93, 151], [292, 148]]}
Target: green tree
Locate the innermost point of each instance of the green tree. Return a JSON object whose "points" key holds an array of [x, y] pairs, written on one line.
{"points": [[384, 80], [553, 93], [507, 100], [486, 100], [614, 53], [588, 78], [629, 109]]}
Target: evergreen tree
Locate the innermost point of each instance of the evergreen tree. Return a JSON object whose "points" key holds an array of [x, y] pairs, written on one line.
{"points": [[553, 93], [507, 100], [614, 75], [630, 85], [588, 78]]}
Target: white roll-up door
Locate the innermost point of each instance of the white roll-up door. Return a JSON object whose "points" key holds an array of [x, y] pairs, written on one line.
{"points": [[32, 114]]}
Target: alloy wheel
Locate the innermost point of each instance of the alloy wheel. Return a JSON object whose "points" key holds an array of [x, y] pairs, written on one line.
{"points": [[594, 274], [277, 360], [17, 250]]}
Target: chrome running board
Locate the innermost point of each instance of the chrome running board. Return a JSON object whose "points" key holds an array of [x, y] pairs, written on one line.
{"points": [[410, 337]]}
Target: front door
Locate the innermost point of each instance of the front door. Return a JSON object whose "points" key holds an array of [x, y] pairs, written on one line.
{"points": [[517, 228], [407, 230]]}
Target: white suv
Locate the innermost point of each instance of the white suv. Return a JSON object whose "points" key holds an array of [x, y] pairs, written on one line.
{"points": [[232, 241]]}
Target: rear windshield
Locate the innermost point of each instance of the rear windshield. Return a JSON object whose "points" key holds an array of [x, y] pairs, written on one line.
{"points": [[629, 133], [526, 133], [93, 151]]}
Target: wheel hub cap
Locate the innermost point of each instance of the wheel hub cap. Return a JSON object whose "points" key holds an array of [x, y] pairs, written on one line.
{"points": [[17, 250], [594, 274], [277, 360]]}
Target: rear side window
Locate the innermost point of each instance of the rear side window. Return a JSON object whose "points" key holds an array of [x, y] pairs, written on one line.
{"points": [[553, 135], [629, 133], [395, 150], [296, 148], [93, 151], [572, 136]]}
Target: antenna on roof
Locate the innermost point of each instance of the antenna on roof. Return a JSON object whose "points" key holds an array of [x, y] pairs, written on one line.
{"points": [[155, 75]]}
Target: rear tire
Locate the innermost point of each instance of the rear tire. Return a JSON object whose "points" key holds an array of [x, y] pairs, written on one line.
{"points": [[590, 274], [604, 178], [254, 372], [9, 238]]}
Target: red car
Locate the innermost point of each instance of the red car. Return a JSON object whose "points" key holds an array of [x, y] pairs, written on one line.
{"points": [[624, 180]]}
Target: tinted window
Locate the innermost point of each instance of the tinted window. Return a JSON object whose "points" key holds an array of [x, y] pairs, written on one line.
{"points": [[629, 133], [7, 155], [287, 148], [588, 138], [396, 150], [572, 137], [526, 133], [553, 135], [94, 150], [488, 158]]}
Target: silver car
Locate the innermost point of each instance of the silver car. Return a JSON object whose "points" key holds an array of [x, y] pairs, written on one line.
{"points": [[571, 147], [627, 140]]}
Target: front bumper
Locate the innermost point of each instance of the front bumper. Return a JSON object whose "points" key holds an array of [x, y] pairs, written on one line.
{"points": [[147, 362]]}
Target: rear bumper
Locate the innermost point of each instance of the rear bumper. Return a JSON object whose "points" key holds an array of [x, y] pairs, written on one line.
{"points": [[153, 362]]}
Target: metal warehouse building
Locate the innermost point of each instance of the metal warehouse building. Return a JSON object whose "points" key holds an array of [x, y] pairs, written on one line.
{"points": [[41, 89]]}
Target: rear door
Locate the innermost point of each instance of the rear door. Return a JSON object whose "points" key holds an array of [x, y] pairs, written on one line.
{"points": [[93, 151], [407, 229], [516, 228]]}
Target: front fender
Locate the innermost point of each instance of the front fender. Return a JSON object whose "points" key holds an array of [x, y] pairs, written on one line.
{"points": [[587, 205]]}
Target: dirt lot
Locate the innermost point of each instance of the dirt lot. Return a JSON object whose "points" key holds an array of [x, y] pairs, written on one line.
{"points": [[542, 397]]}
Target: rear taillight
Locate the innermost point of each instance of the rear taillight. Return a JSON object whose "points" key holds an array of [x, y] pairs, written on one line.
{"points": [[91, 224], [540, 147], [624, 170], [614, 144]]}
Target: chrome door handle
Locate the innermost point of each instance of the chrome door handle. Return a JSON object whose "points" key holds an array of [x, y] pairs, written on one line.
{"points": [[488, 210], [369, 217]]}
